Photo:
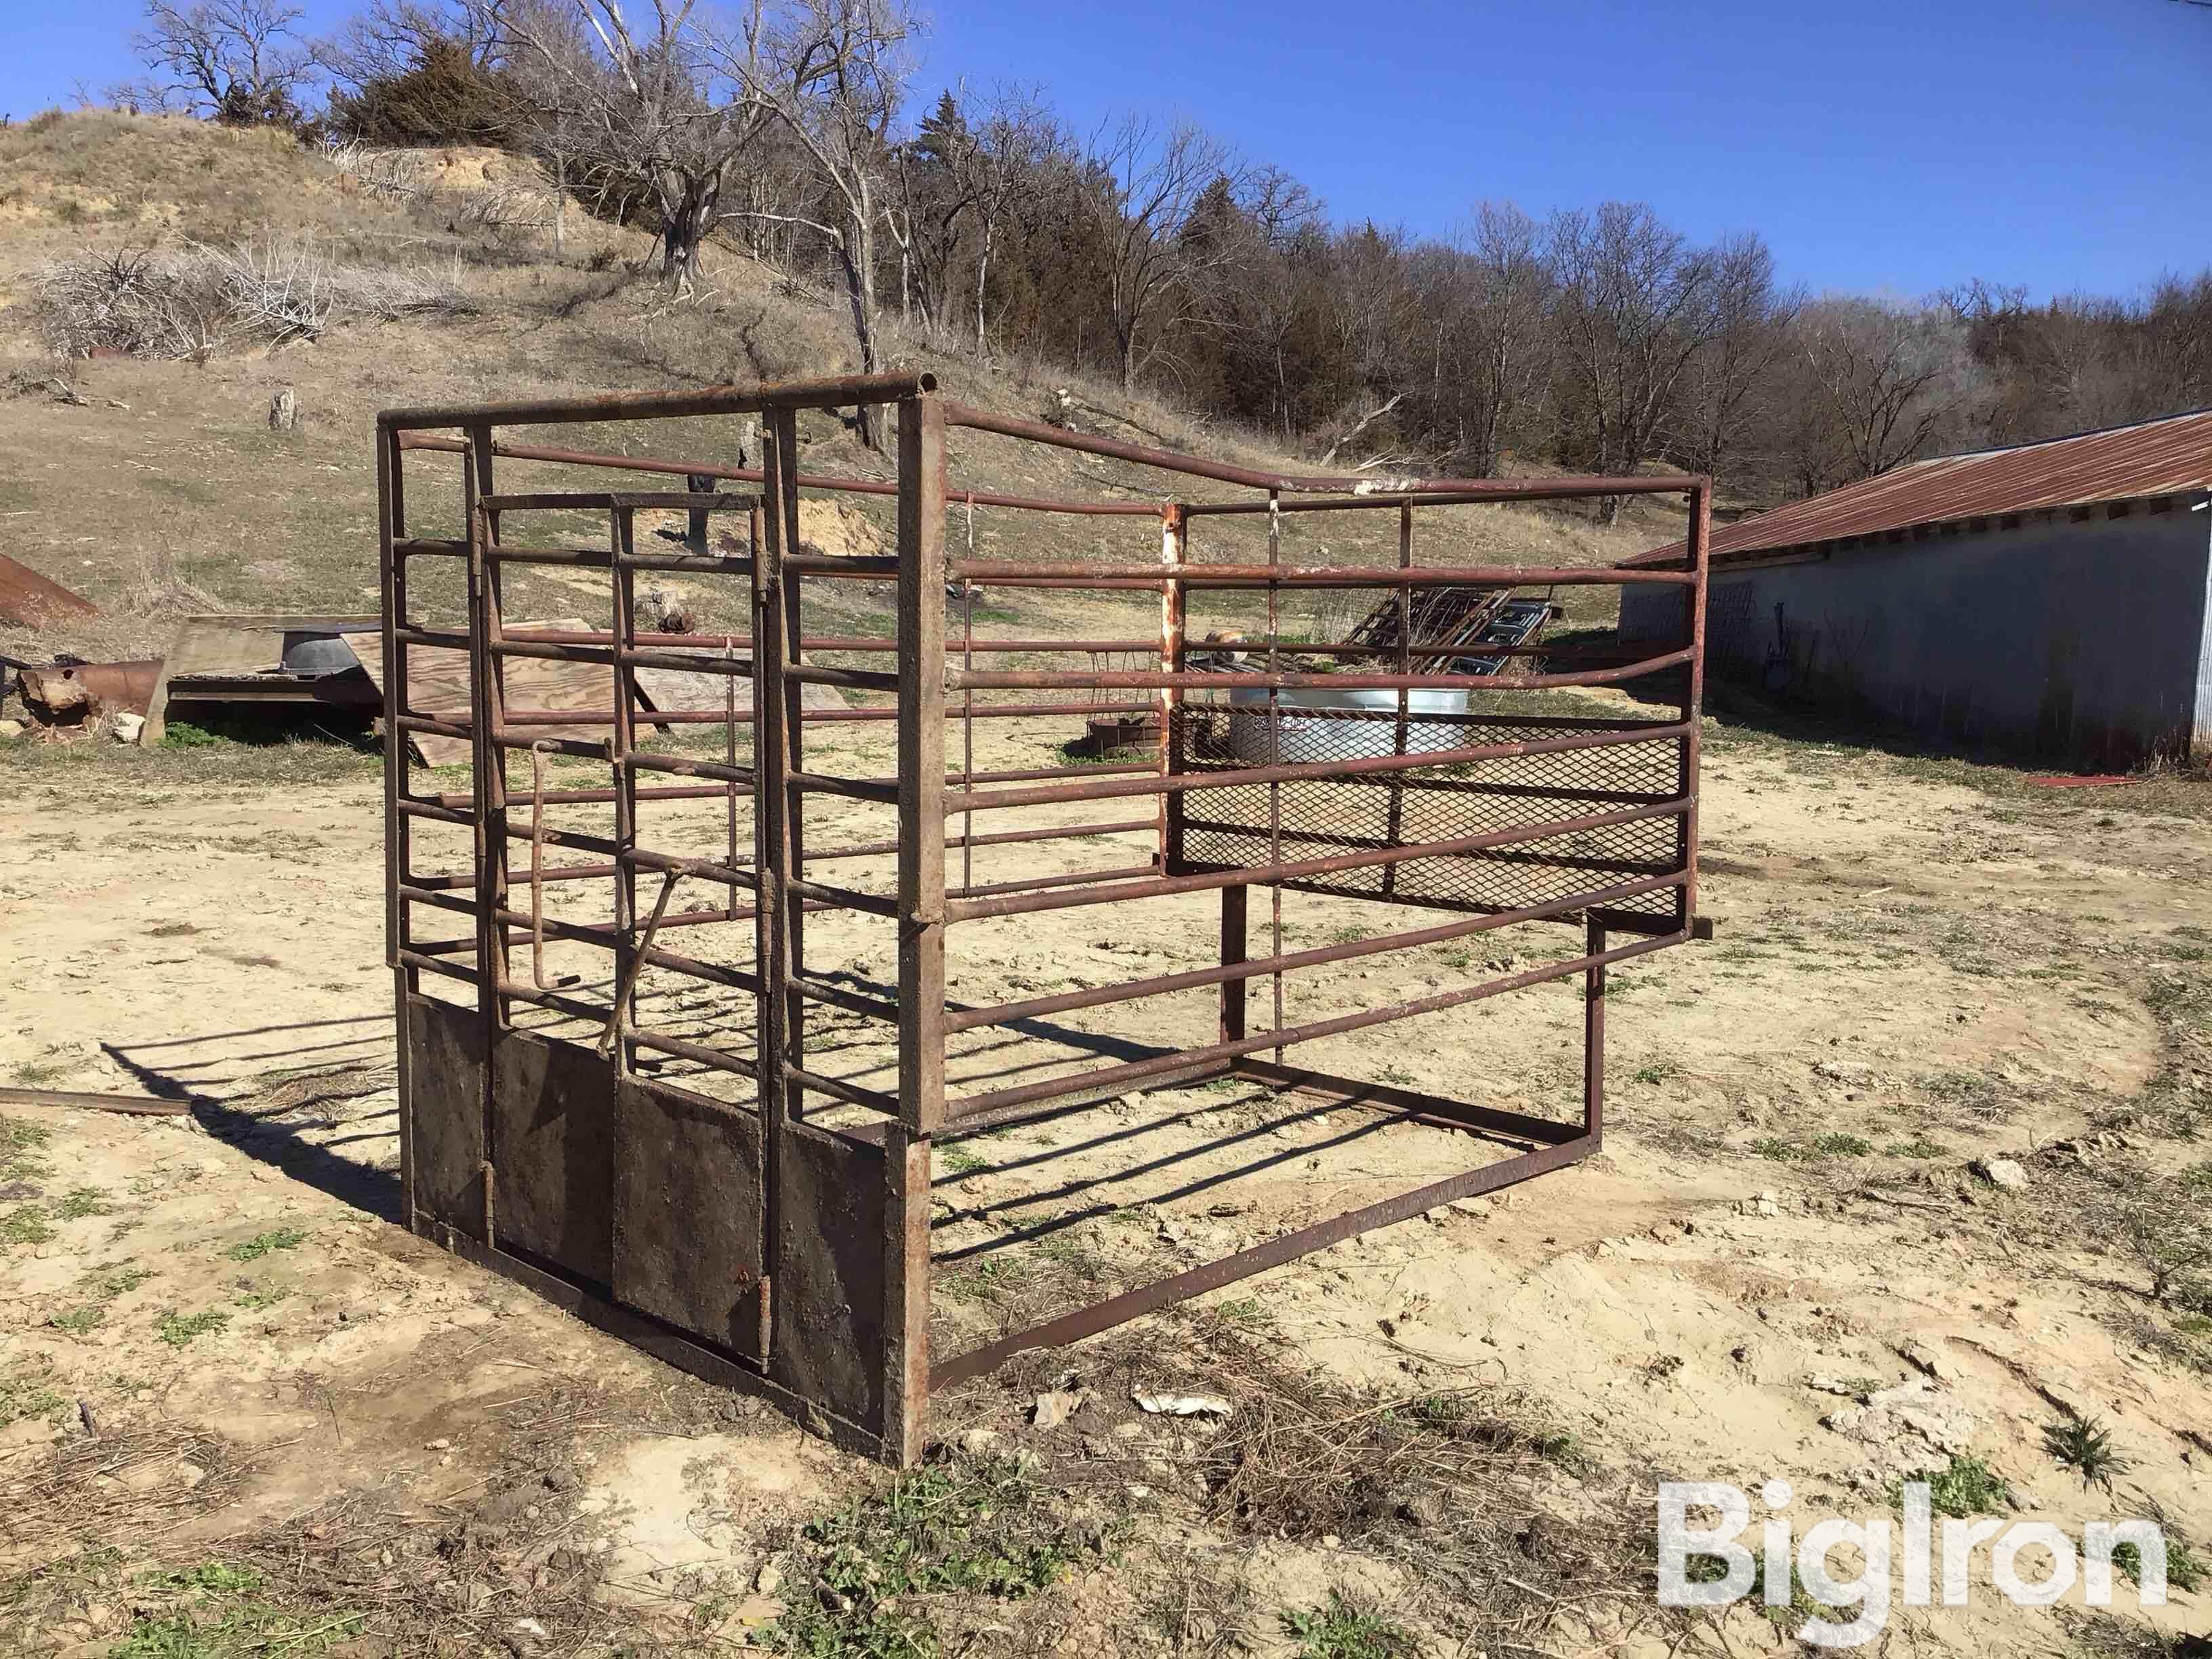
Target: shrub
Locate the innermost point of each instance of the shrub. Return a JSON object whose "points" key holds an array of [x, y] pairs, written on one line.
{"points": [[188, 301]]}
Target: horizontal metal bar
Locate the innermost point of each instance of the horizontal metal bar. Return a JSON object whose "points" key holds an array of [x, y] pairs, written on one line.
{"points": [[848, 642], [434, 813], [1487, 490], [432, 639], [722, 875], [714, 973], [837, 1088], [1532, 490], [859, 566], [1019, 679], [1136, 1070], [694, 1051], [1274, 1252], [465, 881], [836, 996], [845, 898], [862, 679], [682, 767], [883, 793], [429, 547], [597, 935], [522, 829], [523, 991], [522, 645], [434, 964], [1261, 875], [516, 452], [720, 564], [688, 662], [413, 895], [1007, 572], [1004, 837], [1320, 771], [835, 393], [1255, 968], [581, 558], [1069, 878]]}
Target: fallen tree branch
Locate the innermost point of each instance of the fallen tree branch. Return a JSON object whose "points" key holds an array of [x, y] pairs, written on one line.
{"points": [[1361, 425]]}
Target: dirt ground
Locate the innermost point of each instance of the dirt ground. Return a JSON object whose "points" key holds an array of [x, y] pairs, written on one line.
{"points": [[1781, 1266], [1904, 1171]]}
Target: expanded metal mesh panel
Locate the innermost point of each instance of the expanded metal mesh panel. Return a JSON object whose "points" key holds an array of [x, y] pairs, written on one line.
{"points": [[1238, 827]]}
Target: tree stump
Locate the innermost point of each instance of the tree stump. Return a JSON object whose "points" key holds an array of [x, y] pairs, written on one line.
{"points": [[284, 411]]}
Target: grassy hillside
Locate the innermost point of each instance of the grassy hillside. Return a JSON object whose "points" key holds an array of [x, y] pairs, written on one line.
{"points": [[162, 487]]}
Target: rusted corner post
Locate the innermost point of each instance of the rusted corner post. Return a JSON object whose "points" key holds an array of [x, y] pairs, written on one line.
{"points": [[921, 924], [391, 525], [1175, 550], [487, 722], [1593, 1033], [772, 843], [1694, 695]]}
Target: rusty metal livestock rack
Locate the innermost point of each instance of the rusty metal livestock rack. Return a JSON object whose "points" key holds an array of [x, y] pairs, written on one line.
{"points": [[739, 1198]]}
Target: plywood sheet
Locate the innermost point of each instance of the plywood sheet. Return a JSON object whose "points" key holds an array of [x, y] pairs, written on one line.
{"points": [[439, 684]]}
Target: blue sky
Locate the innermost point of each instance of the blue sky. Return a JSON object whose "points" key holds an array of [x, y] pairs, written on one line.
{"points": [[1879, 147]]}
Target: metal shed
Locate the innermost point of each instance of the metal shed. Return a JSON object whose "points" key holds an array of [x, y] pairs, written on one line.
{"points": [[2050, 599]]}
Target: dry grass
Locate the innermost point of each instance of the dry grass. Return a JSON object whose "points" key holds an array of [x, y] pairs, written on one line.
{"points": [[102, 1486], [1510, 1538], [373, 1569]]}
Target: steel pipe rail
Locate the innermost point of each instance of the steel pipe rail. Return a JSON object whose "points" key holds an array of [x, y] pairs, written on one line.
{"points": [[1138, 1071], [1018, 679], [664, 405], [1298, 771], [1006, 574], [1257, 967], [1299, 869], [1482, 490]]}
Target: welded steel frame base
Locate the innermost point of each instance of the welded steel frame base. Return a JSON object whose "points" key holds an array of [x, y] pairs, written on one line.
{"points": [[790, 1259]]}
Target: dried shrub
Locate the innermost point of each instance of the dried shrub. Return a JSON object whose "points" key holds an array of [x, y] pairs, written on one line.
{"points": [[189, 302]]}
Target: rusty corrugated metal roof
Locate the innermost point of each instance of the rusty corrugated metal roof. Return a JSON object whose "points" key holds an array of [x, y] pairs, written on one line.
{"points": [[2152, 458]]}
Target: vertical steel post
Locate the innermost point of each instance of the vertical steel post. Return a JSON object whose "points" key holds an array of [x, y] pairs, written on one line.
{"points": [[1395, 826], [1275, 748], [1175, 550], [486, 714], [391, 520], [622, 523], [1694, 695], [921, 924], [1594, 1033], [783, 434], [771, 850], [1235, 947]]}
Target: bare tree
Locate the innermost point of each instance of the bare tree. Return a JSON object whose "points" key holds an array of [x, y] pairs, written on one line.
{"points": [[834, 73], [661, 101], [1507, 336], [1728, 388], [1875, 385], [1141, 183], [957, 182], [1635, 308], [387, 38], [240, 61]]}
